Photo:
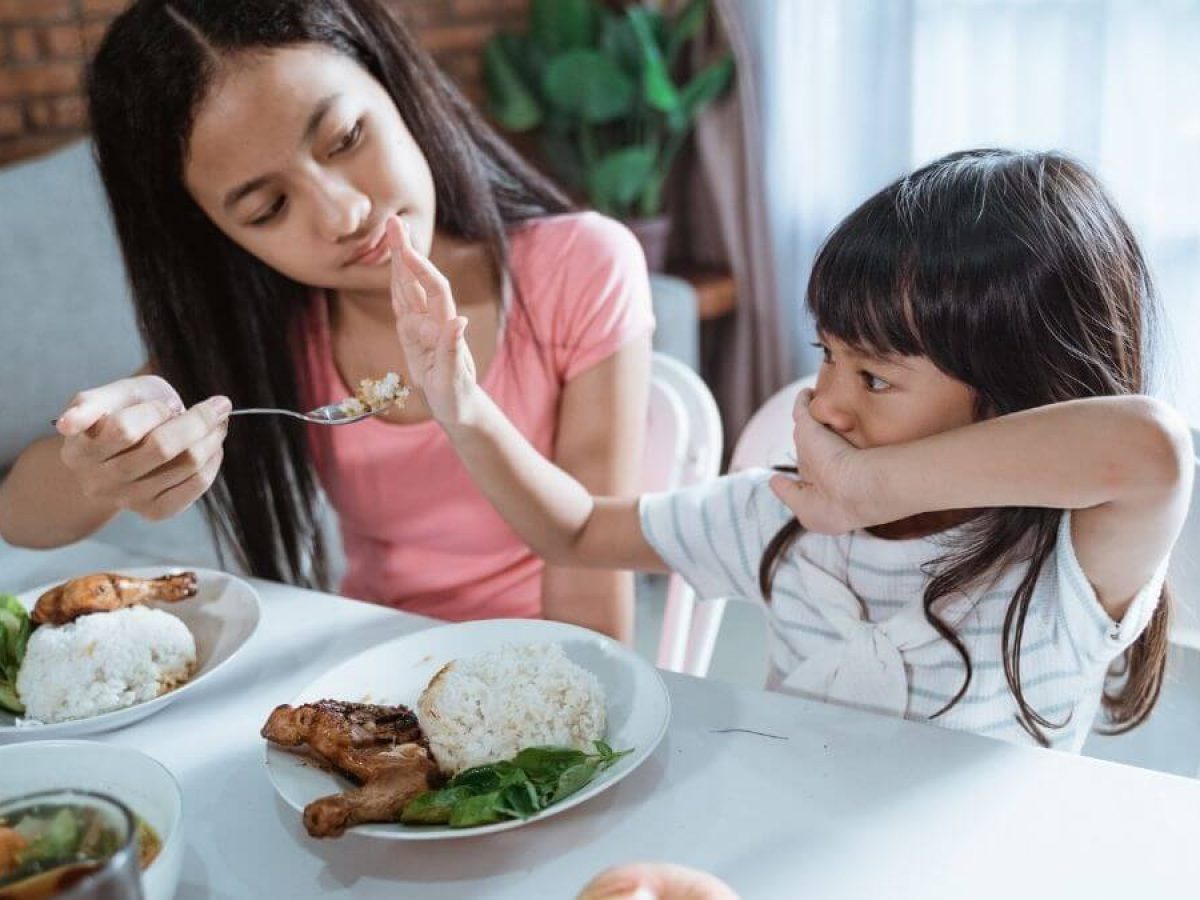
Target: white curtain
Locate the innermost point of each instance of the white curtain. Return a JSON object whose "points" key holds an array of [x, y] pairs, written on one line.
{"points": [[832, 81], [855, 92]]}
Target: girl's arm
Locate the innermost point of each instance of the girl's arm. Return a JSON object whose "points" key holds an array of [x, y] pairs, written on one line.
{"points": [[601, 431], [550, 510], [1123, 464], [42, 506]]}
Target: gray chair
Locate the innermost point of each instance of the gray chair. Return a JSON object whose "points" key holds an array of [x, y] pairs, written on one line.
{"points": [[67, 321], [677, 332]]}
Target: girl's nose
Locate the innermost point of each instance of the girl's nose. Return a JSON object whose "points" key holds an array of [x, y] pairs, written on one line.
{"points": [[831, 409], [341, 210]]}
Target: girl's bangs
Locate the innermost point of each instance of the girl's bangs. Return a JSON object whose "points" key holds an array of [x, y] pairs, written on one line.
{"points": [[862, 289]]}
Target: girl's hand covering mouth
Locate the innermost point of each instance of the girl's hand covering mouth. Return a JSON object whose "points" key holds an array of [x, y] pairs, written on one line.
{"points": [[431, 331], [832, 488]]}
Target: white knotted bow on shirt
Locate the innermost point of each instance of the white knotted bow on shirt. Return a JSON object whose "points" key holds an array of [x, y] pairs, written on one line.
{"points": [[865, 668]]}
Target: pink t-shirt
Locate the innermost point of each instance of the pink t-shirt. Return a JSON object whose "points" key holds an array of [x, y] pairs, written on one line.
{"points": [[418, 534]]}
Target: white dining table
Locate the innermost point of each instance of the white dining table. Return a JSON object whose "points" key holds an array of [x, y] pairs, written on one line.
{"points": [[779, 796]]}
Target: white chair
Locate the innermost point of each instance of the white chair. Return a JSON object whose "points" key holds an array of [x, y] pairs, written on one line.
{"points": [[683, 447], [689, 629], [667, 433], [766, 440]]}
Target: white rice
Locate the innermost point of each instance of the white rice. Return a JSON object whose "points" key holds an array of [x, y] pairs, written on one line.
{"points": [[488, 707], [375, 394], [103, 661]]}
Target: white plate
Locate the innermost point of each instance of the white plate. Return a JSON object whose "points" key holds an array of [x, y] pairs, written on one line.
{"points": [[221, 617], [139, 781], [398, 670]]}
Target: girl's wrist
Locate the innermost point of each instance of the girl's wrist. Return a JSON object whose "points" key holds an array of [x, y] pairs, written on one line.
{"points": [[880, 483], [470, 412]]}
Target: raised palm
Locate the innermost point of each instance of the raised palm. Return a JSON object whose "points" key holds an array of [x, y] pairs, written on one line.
{"points": [[430, 330]]}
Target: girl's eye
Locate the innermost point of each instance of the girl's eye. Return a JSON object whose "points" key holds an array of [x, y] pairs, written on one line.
{"points": [[875, 383], [826, 356], [349, 140], [275, 209]]}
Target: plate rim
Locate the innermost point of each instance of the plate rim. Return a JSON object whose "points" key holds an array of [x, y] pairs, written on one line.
{"points": [[146, 707], [273, 755]]}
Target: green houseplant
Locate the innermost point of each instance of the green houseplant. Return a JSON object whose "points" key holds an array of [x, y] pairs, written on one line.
{"points": [[595, 84]]}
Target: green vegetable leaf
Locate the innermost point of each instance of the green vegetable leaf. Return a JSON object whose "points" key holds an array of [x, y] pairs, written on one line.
{"points": [[59, 840], [573, 779], [520, 800], [9, 629], [9, 699], [480, 810], [545, 764], [512, 789], [15, 628], [433, 807], [481, 779], [609, 755]]}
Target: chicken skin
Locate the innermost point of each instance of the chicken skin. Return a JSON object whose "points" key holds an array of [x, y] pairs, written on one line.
{"points": [[380, 748], [398, 774], [105, 592]]}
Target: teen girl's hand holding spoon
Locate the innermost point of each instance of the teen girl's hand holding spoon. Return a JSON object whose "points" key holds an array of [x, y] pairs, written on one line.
{"points": [[132, 445]]}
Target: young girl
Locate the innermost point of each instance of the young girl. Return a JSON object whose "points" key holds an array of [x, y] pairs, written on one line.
{"points": [[252, 153], [984, 502]]}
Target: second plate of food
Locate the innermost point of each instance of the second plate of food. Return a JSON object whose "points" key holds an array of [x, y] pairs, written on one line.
{"points": [[96, 671], [516, 685]]}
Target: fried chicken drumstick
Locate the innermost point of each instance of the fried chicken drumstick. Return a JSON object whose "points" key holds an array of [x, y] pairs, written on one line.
{"points": [[105, 592], [380, 748]]}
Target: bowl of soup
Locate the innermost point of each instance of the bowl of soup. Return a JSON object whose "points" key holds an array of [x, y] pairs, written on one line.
{"points": [[134, 780], [68, 843]]}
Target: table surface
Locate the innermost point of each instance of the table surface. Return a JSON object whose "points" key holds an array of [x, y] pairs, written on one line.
{"points": [[824, 802]]}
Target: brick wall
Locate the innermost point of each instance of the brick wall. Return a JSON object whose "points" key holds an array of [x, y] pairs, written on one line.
{"points": [[44, 45]]}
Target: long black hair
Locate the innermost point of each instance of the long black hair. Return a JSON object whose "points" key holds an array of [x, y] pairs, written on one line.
{"points": [[214, 318], [1015, 274]]}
